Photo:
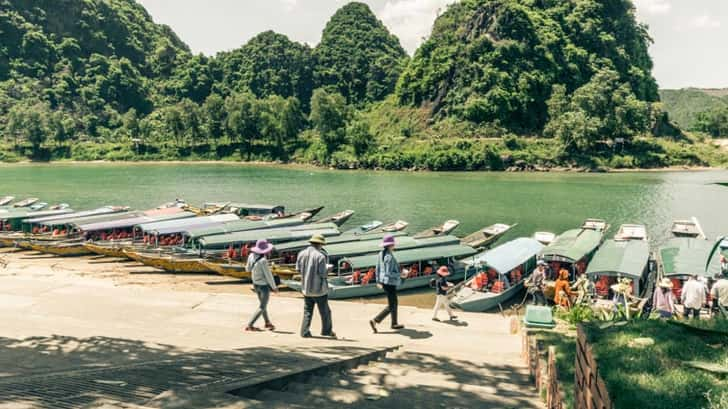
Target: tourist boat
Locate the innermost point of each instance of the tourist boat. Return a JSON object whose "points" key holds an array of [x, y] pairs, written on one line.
{"points": [[339, 218], [399, 225], [38, 206], [688, 228], [248, 210], [62, 248], [5, 200], [440, 230], [239, 270], [683, 256], [516, 258], [631, 232], [487, 236], [573, 247], [365, 228], [424, 259], [620, 258], [544, 237], [26, 202]]}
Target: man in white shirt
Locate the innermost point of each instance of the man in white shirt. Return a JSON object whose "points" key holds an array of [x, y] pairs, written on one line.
{"points": [[693, 297]]}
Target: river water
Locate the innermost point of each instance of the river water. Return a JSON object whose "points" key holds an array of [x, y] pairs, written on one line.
{"points": [[536, 201]]}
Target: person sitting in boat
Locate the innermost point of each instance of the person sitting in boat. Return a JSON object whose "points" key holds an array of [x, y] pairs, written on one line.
{"points": [[413, 271], [428, 270], [516, 275], [355, 278], [562, 291]]}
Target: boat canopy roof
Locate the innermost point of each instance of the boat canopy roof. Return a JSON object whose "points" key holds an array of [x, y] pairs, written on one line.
{"points": [[573, 245], [617, 257], [508, 256], [331, 241], [414, 255], [222, 241], [239, 225], [182, 224], [44, 219], [374, 246], [133, 221], [77, 221], [25, 213], [684, 256]]}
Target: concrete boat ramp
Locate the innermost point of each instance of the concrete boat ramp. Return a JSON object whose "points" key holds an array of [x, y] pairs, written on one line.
{"points": [[72, 342]]}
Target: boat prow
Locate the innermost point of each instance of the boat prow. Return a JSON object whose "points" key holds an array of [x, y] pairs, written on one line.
{"points": [[487, 236], [439, 230]]}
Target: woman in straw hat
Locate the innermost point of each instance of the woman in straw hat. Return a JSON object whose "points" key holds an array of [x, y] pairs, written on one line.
{"points": [[263, 283], [663, 301], [441, 288], [389, 277]]}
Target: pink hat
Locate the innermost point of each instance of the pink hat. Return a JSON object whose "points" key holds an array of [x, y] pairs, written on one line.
{"points": [[262, 247], [443, 271], [388, 241]]}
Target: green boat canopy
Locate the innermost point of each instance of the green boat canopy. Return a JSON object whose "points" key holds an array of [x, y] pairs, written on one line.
{"points": [[331, 241], [572, 245], [77, 221], [508, 256], [626, 258], [223, 241], [183, 224], [238, 225], [685, 256], [414, 255], [373, 246]]}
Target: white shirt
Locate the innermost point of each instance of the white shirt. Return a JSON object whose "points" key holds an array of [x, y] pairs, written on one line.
{"points": [[720, 291], [693, 294]]}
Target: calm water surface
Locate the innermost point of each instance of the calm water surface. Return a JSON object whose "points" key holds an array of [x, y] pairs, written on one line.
{"points": [[536, 201]]}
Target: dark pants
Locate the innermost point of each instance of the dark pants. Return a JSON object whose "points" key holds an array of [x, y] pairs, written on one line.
{"points": [[322, 303], [263, 292], [538, 297], [391, 308], [694, 311]]}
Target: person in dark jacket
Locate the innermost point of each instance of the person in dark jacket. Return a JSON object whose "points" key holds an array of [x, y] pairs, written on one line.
{"points": [[441, 288], [389, 277]]}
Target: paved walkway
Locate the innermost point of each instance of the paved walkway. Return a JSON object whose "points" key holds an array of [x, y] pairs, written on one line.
{"points": [[54, 322]]}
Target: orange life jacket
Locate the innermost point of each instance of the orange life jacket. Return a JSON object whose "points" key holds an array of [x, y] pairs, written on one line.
{"points": [[497, 287], [369, 276], [356, 277]]}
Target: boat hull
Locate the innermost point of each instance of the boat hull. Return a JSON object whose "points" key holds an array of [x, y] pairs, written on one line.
{"points": [[473, 301], [238, 270], [116, 251], [174, 264], [61, 249]]}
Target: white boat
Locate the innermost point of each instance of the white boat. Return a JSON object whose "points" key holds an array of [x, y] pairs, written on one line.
{"points": [[399, 225], [4, 201], [440, 230], [688, 228], [544, 237], [631, 232]]}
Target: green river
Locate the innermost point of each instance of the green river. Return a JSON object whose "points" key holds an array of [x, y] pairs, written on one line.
{"points": [[536, 201]]}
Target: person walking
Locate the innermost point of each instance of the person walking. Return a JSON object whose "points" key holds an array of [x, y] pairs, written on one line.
{"points": [[720, 295], [441, 288], [263, 283], [388, 278], [537, 283], [312, 264], [693, 297], [663, 301]]}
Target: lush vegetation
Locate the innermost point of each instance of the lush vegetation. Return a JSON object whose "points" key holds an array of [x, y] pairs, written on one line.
{"points": [[698, 110], [500, 84]]}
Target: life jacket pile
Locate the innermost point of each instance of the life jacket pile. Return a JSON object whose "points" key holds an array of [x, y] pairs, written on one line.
{"points": [[498, 287], [368, 277], [479, 282]]}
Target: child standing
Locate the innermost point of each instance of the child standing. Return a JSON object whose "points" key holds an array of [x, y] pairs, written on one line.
{"points": [[441, 288]]}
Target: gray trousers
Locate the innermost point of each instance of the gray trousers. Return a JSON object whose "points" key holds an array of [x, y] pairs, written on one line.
{"points": [[322, 303], [263, 292]]}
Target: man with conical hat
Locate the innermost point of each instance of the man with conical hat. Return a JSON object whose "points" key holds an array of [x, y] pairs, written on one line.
{"points": [[312, 264]]}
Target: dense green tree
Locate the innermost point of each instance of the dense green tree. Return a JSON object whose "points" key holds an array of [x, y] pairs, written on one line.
{"points": [[713, 121], [269, 64], [214, 113], [329, 116], [243, 124], [357, 56]]}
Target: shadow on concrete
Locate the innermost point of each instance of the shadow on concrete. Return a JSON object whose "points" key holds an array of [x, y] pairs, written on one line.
{"points": [[60, 371], [409, 333]]}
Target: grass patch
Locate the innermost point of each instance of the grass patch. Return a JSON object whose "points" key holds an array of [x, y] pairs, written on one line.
{"points": [[655, 377], [565, 345]]}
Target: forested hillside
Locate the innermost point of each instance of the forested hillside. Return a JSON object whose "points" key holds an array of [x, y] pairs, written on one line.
{"points": [[499, 83], [698, 110]]}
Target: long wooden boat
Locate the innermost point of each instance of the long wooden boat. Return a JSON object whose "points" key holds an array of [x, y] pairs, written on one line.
{"points": [[487, 236], [339, 218], [619, 258], [239, 269], [399, 225], [279, 235], [63, 248], [342, 286], [26, 202], [439, 230], [516, 258], [688, 228], [5, 200]]}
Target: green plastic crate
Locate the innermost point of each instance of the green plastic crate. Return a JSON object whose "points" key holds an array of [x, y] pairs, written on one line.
{"points": [[539, 317]]}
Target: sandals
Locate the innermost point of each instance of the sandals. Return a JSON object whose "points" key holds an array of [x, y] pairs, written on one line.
{"points": [[252, 329]]}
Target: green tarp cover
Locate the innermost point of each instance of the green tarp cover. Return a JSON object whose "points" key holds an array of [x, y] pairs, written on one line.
{"points": [[686, 256], [239, 225], [573, 245], [626, 258], [373, 246], [182, 224], [42, 219], [92, 219], [415, 255], [508, 256], [222, 241], [344, 238]]}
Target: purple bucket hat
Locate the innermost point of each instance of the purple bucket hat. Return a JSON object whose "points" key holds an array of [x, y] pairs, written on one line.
{"points": [[262, 247], [388, 241]]}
